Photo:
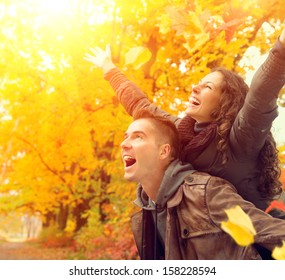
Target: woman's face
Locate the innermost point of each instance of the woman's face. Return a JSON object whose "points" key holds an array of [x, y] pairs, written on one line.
{"points": [[205, 97]]}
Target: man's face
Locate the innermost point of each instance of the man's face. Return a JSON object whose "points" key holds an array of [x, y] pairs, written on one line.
{"points": [[140, 151]]}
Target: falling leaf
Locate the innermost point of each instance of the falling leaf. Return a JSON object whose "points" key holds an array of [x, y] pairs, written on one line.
{"points": [[137, 56], [239, 226], [278, 253]]}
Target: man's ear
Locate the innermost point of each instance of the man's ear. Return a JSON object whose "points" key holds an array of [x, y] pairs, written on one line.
{"points": [[165, 151]]}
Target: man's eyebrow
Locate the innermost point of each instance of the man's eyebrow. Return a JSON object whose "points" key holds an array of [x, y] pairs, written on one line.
{"points": [[134, 132]]}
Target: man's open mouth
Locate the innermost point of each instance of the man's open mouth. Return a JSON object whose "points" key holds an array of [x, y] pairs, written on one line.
{"points": [[129, 161]]}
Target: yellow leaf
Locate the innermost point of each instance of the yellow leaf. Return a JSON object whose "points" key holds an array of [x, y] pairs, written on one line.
{"points": [[161, 81], [239, 226], [164, 24], [194, 24], [193, 43], [278, 253], [137, 56]]}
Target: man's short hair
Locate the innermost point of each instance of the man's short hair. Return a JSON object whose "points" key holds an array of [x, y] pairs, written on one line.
{"points": [[165, 130]]}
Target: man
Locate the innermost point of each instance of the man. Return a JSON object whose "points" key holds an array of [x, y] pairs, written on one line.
{"points": [[182, 209]]}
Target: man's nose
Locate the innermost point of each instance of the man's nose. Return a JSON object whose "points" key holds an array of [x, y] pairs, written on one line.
{"points": [[125, 144]]}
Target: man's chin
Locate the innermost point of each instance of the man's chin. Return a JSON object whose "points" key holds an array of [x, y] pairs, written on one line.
{"points": [[129, 177]]}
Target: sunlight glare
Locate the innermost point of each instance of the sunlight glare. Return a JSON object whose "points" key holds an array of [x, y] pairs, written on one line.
{"points": [[53, 6], [98, 16], [97, 13]]}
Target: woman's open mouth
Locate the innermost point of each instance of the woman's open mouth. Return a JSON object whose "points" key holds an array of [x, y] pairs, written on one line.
{"points": [[194, 101]]}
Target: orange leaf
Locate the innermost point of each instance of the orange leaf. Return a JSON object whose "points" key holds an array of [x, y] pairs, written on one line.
{"points": [[275, 205]]}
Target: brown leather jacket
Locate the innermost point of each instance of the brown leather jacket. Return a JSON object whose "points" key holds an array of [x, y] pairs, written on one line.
{"points": [[193, 224]]}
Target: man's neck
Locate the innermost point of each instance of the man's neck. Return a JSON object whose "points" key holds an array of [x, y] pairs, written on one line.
{"points": [[151, 186]]}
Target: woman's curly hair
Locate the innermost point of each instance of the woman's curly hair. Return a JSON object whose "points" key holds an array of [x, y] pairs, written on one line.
{"points": [[234, 91]]}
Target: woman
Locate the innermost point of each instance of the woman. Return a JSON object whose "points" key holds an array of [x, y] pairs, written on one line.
{"points": [[226, 131]]}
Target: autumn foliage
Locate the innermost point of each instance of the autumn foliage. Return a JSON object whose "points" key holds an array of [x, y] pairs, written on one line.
{"points": [[60, 123]]}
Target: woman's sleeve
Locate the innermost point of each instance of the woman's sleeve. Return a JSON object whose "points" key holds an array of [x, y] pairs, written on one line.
{"points": [[221, 196], [132, 97], [255, 119]]}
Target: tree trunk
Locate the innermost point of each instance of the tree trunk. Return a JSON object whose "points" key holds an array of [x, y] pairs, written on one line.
{"points": [[62, 216]]}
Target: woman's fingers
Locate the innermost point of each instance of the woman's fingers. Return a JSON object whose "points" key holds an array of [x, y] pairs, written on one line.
{"points": [[88, 57], [98, 56], [97, 51]]}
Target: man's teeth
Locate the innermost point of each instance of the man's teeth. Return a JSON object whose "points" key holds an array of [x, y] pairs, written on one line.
{"points": [[129, 160]]}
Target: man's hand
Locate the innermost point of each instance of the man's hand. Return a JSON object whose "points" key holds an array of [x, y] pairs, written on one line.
{"points": [[101, 58]]}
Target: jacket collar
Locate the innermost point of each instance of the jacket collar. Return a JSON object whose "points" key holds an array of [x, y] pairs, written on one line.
{"points": [[174, 176]]}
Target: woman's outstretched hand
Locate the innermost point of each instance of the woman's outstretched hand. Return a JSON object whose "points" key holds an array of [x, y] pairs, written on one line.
{"points": [[101, 58]]}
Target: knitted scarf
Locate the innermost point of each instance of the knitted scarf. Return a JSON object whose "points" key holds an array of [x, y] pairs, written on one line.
{"points": [[194, 142]]}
